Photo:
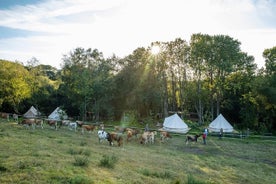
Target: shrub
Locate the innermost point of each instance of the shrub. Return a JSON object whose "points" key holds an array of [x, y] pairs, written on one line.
{"points": [[108, 161], [81, 161], [72, 151], [164, 175]]}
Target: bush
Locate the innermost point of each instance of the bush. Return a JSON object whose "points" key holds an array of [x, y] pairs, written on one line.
{"points": [[164, 175], [108, 161], [81, 161]]}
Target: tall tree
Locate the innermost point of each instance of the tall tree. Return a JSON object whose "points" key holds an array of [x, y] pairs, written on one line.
{"points": [[198, 61], [268, 90], [14, 84], [177, 68], [86, 82]]}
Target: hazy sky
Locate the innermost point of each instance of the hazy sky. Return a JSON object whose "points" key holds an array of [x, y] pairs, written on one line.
{"points": [[48, 29]]}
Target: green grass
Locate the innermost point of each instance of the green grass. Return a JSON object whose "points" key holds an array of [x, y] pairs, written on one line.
{"points": [[64, 156]]}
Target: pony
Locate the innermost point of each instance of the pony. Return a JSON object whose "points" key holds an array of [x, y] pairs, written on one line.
{"points": [[190, 138], [147, 137], [103, 135], [164, 136], [115, 137], [132, 132]]}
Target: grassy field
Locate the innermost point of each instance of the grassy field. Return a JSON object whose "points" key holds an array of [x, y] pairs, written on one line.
{"points": [[64, 156]]}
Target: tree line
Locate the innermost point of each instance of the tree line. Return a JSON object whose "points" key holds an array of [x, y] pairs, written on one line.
{"points": [[200, 79]]}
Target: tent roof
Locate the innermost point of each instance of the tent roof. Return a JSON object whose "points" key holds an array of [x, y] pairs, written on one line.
{"points": [[220, 122], [31, 113], [175, 124], [58, 114]]}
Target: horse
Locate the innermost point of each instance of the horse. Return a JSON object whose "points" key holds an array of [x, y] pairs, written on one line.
{"points": [[103, 135], [147, 137], [53, 123], [72, 126], [88, 128], [115, 137], [190, 138], [132, 132], [164, 136]]}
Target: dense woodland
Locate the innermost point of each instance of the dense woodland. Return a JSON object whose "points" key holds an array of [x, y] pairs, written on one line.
{"points": [[199, 80]]}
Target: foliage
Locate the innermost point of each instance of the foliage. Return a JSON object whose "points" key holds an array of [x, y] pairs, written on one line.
{"points": [[14, 84], [82, 161], [108, 161], [208, 76], [164, 175]]}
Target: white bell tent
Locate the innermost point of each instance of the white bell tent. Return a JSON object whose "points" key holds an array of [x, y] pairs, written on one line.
{"points": [[31, 113], [220, 122], [175, 124], [58, 114]]}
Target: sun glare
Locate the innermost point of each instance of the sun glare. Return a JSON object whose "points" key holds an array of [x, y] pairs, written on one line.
{"points": [[155, 49]]}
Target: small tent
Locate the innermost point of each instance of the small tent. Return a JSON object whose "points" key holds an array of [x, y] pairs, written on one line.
{"points": [[31, 113], [220, 122], [58, 114], [175, 124]]}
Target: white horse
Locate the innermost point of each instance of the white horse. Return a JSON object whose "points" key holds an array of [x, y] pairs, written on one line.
{"points": [[72, 126], [102, 135]]}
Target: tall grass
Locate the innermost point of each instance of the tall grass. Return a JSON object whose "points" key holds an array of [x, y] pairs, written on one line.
{"points": [[108, 161]]}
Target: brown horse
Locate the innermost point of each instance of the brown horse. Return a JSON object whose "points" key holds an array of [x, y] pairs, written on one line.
{"points": [[112, 137], [190, 138]]}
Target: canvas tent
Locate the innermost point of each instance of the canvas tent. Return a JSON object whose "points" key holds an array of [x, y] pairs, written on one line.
{"points": [[31, 113], [58, 114], [220, 122], [174, 124]]}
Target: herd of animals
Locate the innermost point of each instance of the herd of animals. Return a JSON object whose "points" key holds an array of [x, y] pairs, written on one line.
{"points": [[145, 137]]}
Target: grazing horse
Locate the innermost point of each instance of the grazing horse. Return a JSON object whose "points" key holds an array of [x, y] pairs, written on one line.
{"points": [[39, 122], [65, 122], [28, 122], [5, 115], [115, 137], [164, 136], [132, 132], [88, 128], [103, 135], [15, 117], [79, 123], [52, 123], [190, 138], [72, 126], [147, 137]]}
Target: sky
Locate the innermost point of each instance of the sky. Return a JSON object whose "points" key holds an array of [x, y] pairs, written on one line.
{"points": [[50, 29]]}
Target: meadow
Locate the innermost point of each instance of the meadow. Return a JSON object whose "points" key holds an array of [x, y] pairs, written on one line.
{"points": [[64, 156]]}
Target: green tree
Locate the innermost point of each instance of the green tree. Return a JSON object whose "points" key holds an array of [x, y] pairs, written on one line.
{"points": [[267, 91], [46, 81], [86, 83], [199, 56], [14, 84]]}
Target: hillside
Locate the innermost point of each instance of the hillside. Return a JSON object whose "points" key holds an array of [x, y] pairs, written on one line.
{"points": [[64, 156]]}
